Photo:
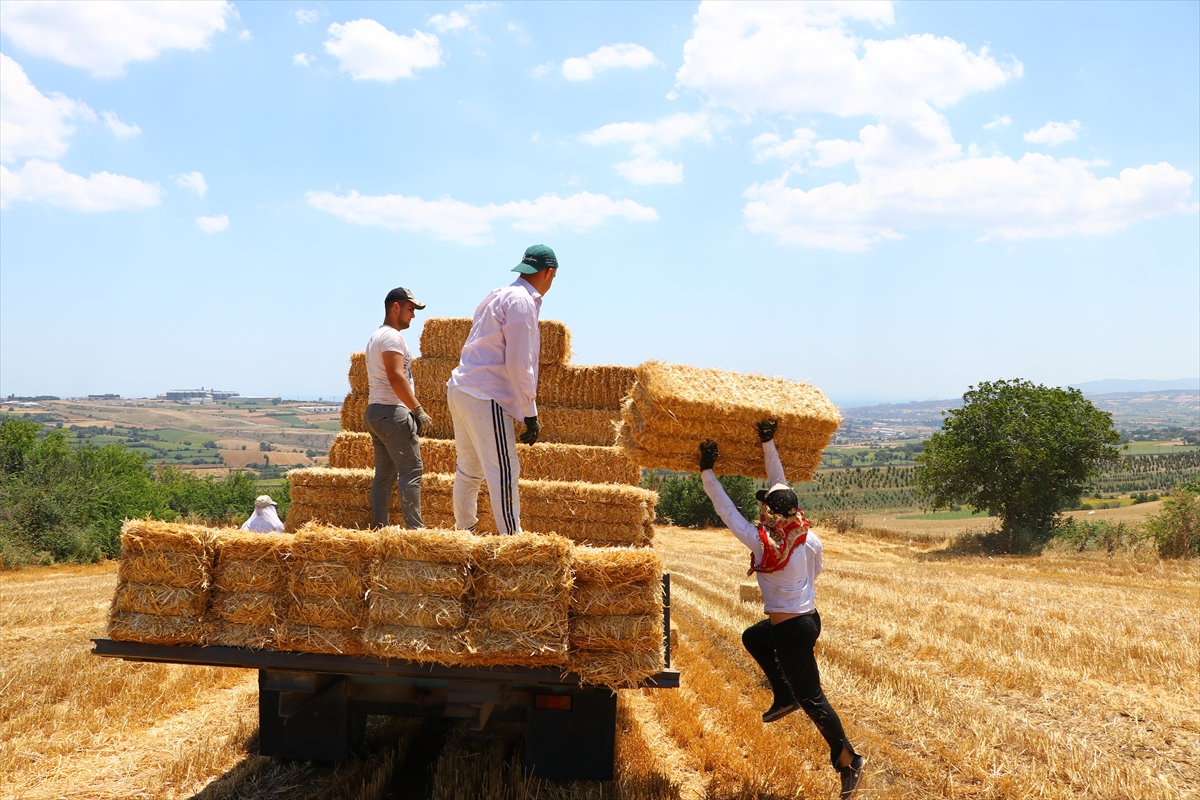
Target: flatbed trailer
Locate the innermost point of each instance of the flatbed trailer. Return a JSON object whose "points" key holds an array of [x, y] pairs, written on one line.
{"points": [[314, 707]]}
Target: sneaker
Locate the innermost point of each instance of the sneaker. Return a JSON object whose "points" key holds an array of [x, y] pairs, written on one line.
{"points": [[852, 775], [779, 710]]}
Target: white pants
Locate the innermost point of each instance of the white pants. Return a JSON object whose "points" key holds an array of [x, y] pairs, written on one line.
{"points": [[487, 449]]}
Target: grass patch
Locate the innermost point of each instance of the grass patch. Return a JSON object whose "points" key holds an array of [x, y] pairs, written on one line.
{"points": [[961, 514]]}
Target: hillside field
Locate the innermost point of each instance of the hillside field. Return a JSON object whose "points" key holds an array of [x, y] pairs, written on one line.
{"points": [[960, 677]]}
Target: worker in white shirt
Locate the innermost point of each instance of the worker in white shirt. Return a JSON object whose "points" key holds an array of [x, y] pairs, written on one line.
{"points": [[393, 416], [264, 519], [786, 557], [494, 383]]}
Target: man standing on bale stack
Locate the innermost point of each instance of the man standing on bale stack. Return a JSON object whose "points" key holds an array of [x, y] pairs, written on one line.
{"points": [[787, 558], [393, 416], [495, 382]]}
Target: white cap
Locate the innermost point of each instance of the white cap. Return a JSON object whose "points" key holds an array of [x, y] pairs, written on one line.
{"points": [[264, 500]]}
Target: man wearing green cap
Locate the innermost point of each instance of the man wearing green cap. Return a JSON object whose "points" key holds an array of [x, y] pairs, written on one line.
{"points": [[494, 383]]}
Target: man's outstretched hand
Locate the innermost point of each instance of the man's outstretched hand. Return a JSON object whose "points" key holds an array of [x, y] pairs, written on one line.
{"points": [[532, 428], [708, 454], [766, 430]]}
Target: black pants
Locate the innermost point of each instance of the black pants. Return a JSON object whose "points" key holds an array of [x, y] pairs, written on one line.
{"points": [[785, 653]]}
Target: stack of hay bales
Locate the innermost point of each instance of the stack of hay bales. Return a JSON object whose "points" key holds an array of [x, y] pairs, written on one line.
{"points": [[543, 461], [327, 579], [616, 624], [162, 583], [521, 598], [576, 404], [418, 597], [587, 513], [360, 389], [250, 599], [672, 409]]}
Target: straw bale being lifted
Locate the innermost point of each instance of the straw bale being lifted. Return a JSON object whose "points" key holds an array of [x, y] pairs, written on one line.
{"points": [[519, 610], [444, 337], [163, 583], [327, 580], [543, 461], [352, 412], [616, 628], [359, 383], [673, 408], [250, 600], [419, 584]]}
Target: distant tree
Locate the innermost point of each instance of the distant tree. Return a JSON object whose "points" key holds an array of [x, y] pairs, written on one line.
{"points": [[1019, 451], [682, 500], [1176, 529]]}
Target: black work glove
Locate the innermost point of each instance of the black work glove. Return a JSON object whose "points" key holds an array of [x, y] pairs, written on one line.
{"points": [[708, 454], [423, 420], [766, 429], [532, 428]]}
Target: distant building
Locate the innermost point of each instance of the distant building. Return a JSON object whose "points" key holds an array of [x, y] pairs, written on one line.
{"points": [[104, 397], [320, 409]]}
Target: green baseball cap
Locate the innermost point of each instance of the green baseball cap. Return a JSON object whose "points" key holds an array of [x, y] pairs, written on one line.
{"points": [[537, 258]]}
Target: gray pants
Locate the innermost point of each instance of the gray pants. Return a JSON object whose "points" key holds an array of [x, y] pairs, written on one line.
{"points": [[397, 462]]}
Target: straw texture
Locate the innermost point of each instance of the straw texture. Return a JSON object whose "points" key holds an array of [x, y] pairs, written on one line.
{"points": [[673, 408], [572, 385], [444, 337], [352, 412], [327, 582], [559, 424], [359, 384], [163, 583], [543, 461]]}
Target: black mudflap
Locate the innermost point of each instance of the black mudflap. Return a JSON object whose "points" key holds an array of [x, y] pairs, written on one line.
{"points": [[574, 745]]}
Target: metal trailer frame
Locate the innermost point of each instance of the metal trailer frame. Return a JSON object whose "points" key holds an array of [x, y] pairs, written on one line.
{"points": [[314, 707]]}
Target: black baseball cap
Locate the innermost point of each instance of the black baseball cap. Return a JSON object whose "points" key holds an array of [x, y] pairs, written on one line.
{"points": [[401, 295], [537, 258], [779, 498]]}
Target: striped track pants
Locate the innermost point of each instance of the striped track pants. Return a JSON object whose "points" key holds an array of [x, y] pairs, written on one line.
{"points": [[487, 450]]}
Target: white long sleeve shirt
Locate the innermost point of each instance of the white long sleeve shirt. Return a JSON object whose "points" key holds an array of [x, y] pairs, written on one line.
{"points": [[791, 590], [500, 359]]}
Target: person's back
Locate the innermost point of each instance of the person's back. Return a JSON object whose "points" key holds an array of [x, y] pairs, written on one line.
{"points": [[264, 519]]}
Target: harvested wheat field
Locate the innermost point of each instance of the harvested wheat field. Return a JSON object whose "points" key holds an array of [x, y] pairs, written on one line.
{"points": [[962, 677]]}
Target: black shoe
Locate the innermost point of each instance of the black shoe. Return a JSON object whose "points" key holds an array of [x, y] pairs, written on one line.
{"points": [[852, 775], [779, 710]]}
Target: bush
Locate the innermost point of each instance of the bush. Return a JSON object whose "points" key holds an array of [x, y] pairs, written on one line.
{"points": [[842, 523], [1176, 529], [1080, 535], [682, 501]]}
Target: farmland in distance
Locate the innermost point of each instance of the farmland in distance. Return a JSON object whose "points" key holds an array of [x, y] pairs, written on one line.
{"points": [[1053, 676]]}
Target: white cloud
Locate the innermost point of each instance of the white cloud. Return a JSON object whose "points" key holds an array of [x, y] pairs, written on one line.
{"points": [[542, 70], [451, 220], [1036, 196], [32, 124], [245, 36], [611, 56], [304, 16], [998, 122], [211, 225], [647, 168], [770, 145], [100, 191], [801, 57], [303, 59], [453, 21], [1055, 133], [119, 129], [665, 131], [518, 33], [103, 36], [370, 52], [193, 181]]}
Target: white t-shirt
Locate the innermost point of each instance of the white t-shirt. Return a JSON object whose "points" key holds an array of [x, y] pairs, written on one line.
{"points": [[385, 339]]}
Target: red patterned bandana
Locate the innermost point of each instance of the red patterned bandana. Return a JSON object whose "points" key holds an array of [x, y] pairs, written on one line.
{"points": [[779, 535]]}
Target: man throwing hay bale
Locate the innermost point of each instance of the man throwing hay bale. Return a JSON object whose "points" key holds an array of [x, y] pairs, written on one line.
{"points": [[786, 558], [496, 381], [393, 415]]}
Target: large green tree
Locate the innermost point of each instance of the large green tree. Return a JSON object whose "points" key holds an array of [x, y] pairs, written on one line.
{"points": [[1018, 451]]}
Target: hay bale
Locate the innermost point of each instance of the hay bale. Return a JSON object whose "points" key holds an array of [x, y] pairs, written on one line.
{"points": [[329, 612], [352, 412], [315, 639], [444, 337], [357, 376], [230, 634], [417, 610], [600, 599], [568, 385], [442, 546], [249, 608], [248, 561], [615, 566], [673, 408], [162, 584], [548, 461], [300, 515], [491, 648], [596, 427], [129, 626], [615, 669], [523, 616], [750, 592], [617, 632], [419, 577], [325, 543], [415, 643], [327, 579]]}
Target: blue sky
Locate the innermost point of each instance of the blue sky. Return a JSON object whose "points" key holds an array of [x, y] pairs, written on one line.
{"points": [[892, 201]]}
